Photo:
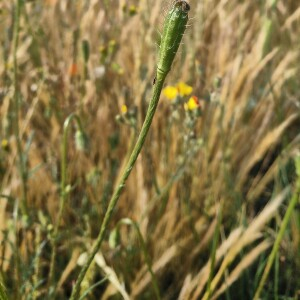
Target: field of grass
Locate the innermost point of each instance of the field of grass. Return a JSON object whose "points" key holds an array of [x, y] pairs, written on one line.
{"points": [[211, 209]]}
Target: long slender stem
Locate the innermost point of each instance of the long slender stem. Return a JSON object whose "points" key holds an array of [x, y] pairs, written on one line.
{"points": [[15, 112], [63, 193], [174, 27], [16, 131], [116, 195]]}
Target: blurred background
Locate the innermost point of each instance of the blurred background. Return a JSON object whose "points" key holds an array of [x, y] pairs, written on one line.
{"points": [[208, 192]]}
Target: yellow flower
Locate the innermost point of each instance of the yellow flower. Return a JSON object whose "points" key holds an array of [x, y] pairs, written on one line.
{"points": [[184, 89], [181, 89], [170, 92], [5, 145], [192, 104], [124, 109], [132, 10]]}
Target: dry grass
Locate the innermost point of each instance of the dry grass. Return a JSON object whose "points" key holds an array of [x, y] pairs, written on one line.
{"points": [[237, 156]]}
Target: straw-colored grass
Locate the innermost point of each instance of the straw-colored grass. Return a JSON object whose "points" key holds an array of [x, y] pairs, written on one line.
{"points": [[242, 59]]}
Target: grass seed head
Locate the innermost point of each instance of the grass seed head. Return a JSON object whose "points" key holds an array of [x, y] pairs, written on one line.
{"points": [[173, 30]]}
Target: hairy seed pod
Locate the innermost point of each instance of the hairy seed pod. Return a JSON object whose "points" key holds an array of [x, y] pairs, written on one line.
{"points": [[173, 30]]}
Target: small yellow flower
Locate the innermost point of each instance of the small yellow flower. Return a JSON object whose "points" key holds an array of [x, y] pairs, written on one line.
{"points": [[132, 10], [170, 92], [181, 89], [184, 89], [192, 104], [5, 145], [124, 109]]}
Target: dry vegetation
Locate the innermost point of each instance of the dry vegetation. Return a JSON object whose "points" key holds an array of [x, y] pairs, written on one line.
{"points": [[215, 187]]}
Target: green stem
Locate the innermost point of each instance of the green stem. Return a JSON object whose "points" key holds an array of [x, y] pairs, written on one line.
{"points": [[119, 187], [285, 221], [63, 192], [16, 129], [174, 27]]}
